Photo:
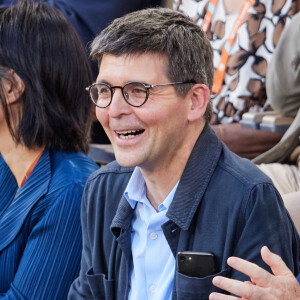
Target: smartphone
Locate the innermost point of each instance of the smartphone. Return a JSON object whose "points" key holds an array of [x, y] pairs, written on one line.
{"points": [[196, 264]]}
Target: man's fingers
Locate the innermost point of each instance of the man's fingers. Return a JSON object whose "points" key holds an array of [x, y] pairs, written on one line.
{"points": [[239, 288], [217, 296], [256, 273], [275, 262]]}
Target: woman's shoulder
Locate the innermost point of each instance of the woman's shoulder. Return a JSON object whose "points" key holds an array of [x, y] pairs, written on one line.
{"points": [[67, 177], [71, 168]]}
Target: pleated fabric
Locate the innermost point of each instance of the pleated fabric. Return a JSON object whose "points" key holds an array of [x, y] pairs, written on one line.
{"points": [[40, 234]]}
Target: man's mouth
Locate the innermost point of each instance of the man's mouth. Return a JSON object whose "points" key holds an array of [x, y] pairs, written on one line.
{"points": [[125, 135]]}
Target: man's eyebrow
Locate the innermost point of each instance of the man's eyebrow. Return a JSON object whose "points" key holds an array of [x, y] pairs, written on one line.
{"points": [[102, 81], [124, 83]]}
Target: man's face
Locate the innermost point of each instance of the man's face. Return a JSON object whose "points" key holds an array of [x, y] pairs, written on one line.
{"points": [[151, 135]]}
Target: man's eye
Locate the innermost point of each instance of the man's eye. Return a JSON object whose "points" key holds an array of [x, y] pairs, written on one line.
{"points": [[138, 91], [104, 90]]}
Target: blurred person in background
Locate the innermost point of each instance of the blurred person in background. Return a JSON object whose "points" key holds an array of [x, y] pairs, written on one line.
{"points": [[282, 162], [243, 34]]}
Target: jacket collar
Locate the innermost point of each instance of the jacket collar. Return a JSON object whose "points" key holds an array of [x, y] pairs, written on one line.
{"points": [[13, 218], [195, 178], [193, 183], [123, 217]]}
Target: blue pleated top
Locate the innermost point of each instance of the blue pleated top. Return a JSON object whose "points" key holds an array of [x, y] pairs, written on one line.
{"points": [[40, 234]]}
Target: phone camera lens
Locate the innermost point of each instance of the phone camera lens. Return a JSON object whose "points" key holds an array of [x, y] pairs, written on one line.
{"points": [[182, 258]]}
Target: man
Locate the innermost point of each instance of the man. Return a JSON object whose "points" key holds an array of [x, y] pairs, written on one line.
{"points": [[175, 186]]}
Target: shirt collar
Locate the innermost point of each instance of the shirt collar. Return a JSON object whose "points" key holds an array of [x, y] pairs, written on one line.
{"points": [[136, 188], [136, 191]]}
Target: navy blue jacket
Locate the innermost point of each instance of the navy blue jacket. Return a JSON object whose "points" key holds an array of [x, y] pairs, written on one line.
{"points": [[223, 204]]}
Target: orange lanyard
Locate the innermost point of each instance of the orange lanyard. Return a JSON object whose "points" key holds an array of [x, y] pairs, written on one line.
{"points": [[221, 69]]}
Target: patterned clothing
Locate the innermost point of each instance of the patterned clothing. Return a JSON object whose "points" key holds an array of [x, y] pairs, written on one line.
{"points": [[244, 83]]}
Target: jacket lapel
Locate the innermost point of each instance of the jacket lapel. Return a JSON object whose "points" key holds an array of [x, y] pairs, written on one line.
{"points": [[13, 218], [195, 178]]}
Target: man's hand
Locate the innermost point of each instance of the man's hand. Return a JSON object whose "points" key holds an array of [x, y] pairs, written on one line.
{"points": [[280, 286]]}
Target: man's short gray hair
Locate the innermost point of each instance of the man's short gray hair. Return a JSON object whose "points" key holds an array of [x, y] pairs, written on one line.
{"points": [[163, 31]]}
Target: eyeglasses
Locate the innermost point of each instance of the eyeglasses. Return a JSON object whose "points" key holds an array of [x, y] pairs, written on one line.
{"points": [[134, 93]]}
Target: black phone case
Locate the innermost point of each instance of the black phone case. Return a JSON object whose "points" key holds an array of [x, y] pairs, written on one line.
{"points": [[196, 264]]}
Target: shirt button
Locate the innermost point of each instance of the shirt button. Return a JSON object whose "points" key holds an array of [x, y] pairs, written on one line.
{"points": [[153, 236], [152, 288]]}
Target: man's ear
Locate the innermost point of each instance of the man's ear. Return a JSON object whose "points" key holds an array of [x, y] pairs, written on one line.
{"points": [[14, 87], [199, 97]]}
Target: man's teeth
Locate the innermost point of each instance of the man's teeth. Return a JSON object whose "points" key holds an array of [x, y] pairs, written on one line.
{"points": [[128, 134]]}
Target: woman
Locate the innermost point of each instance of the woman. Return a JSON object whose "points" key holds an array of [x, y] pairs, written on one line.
{"points": [[44, 133]]}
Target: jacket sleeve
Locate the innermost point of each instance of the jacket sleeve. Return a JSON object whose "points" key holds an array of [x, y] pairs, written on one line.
{"points": [[51, 257], [265, 221]]}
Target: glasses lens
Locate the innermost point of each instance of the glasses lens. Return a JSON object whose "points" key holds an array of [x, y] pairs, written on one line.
{"points": [[101, 95], [135, 93]]}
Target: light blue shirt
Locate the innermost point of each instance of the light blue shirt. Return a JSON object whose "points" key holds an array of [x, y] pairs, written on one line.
{"points": [[153, 264]]}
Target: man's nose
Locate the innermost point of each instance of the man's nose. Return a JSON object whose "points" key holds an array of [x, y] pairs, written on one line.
{"points": [[118, 104]]}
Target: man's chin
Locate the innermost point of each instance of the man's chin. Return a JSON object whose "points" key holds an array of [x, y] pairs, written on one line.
{"points": [[125, 162]]}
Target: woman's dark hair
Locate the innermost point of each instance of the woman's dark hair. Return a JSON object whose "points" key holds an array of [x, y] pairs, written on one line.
{"points": [[40, 45]]}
